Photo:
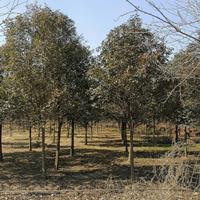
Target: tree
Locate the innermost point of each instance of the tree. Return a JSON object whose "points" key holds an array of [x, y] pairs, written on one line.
{"points": [[49, 64], [2, 109], [26, 64], [7, 10], [130, 57]]}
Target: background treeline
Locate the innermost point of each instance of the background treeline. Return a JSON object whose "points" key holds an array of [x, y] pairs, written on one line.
{"points": [[48, 74]]}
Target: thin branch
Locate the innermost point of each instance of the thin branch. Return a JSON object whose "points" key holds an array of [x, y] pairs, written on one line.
{"points": [[180, 83], [165, 19]]}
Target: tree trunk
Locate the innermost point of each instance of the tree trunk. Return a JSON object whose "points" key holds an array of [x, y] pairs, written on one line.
{"points": [[145, 128], [176, 134], [50, 129], [30, 138], [186, 134], [54, 134], [58, 145], [68, 130], [10, 129], [72, 139], [97, 128], [124, 135], [43, 155], [1, 152], [91, 131], [131, 149], [154, 128], [123, 124], [126, 140], [119, 127], [39, 133], [86, 133]]}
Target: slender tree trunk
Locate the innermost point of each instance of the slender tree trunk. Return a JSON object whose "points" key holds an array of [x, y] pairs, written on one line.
{"points": [[54, 134], [68, 130], [119, 127], [97, 128], [50, 129], [123, 124], [176, 134], [91, 131], [39, 133], [145, 128], [186, 150], [126, 140], [154, 128], [131, 149], [30, 138], [58, 145], [72, 139], [43, 154], [86, 134], [10, 129], [124, 134], [1, 152]]}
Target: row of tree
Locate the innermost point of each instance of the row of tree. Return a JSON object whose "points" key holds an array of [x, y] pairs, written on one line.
{"points": [[47, 74]]}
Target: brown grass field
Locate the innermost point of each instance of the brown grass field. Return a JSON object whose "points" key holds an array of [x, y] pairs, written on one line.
{"points": [[93, 165]]}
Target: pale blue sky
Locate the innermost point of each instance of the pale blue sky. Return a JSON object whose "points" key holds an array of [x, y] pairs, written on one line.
{"points": [[95, 18]]}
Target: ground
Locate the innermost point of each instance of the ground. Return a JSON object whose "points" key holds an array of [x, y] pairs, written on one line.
{"points": [[93, 166]]}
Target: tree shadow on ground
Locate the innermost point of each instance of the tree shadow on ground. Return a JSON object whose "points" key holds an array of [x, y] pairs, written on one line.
{"points": [[86, 167]]}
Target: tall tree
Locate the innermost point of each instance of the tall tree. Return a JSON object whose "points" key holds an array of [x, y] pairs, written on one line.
{"points": [[131, 56], [49, 64]]}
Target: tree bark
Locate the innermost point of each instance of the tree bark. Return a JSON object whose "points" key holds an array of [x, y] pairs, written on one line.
{"points": [[1, 152], [30, 138], [72, 139], [86, 134], [43, 155]]}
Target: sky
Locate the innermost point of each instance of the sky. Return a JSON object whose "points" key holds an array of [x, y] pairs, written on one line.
{"points": [[94, 18]]}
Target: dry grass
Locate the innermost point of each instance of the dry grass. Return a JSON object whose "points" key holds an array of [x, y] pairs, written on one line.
{"points": [[157, 173]]}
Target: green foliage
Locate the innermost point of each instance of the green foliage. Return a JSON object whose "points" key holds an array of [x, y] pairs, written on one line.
{"points": [[131, 57], [46, 65]]}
